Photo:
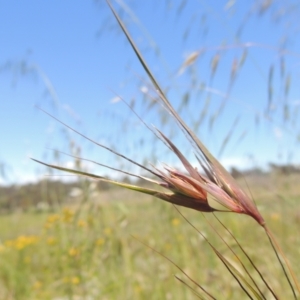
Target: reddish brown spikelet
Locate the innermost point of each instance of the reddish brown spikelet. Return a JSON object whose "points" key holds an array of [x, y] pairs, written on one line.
{"points": [[227, 191], [218, 183]]}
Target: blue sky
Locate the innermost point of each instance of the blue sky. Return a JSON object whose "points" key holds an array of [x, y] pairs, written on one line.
{"points": [[71, 59]]}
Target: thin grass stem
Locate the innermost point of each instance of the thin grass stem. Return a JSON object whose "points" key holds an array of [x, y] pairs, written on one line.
{"points": [[187, 285], [233, 275], [180, 269], [249, 259], [221, 257], [234, 253], [277, 249]]}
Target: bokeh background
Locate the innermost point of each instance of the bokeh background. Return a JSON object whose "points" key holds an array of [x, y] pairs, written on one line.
{"points": [[230, 68]]}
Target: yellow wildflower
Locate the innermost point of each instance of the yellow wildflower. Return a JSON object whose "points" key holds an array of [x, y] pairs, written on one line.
{"points": [[67, 215], [175, 222], [51, 220], [21, 242], [75, 280], [51, 240], [82, 224], [37, 285], [100, 242], [73, 252]]}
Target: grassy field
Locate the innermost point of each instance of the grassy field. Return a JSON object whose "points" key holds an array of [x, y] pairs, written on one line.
{"points": [[93, 250]]}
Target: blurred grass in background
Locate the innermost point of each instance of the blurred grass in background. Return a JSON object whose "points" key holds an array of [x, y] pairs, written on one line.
{"points": [[87, 250]]}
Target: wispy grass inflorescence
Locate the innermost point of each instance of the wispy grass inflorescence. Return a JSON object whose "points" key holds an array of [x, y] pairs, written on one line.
{"points": [[190, 189]]}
